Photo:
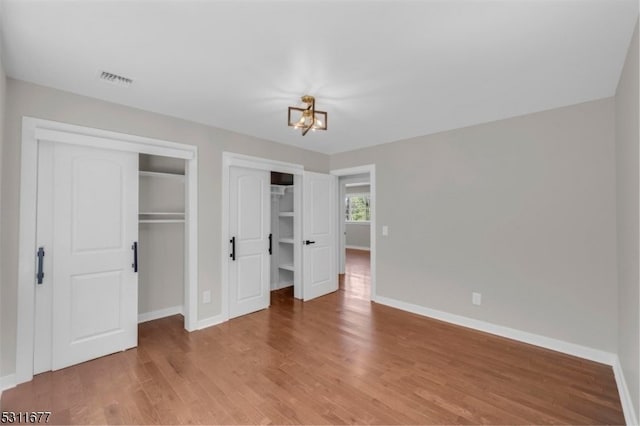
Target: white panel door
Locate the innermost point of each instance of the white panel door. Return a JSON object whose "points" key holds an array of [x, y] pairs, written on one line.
{"points": [[249, 229], [319, 272], [95, 223]]}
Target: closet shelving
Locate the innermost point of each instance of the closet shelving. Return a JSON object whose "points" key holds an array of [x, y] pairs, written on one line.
{"points": [[161, 236], [165, 203], [162, 175], [284, 223]]}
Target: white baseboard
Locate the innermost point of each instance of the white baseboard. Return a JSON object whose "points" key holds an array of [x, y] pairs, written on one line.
{"points": [[160, 313], [630, 417], [210, 322], [280, 286], [499, 330], [7, 382], [358, 248]]}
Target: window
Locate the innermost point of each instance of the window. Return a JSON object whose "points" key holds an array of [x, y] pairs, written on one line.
{"points": [[357, 208]]}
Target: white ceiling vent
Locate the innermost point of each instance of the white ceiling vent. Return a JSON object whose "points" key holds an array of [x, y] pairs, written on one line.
{"points": [[115, 79]]}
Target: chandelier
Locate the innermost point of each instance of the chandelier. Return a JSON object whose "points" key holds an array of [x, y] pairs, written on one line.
{"points": [[307, 118]]}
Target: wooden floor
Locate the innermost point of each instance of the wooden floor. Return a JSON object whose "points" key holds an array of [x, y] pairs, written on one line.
{"points": [[335, 360]]}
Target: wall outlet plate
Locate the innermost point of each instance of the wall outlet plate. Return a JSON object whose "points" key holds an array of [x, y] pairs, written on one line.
{"points": [[206, 296], [476, 298]]}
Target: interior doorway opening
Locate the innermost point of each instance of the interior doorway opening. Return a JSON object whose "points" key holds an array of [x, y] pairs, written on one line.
{"points": [[357, 231], [355, 223]]}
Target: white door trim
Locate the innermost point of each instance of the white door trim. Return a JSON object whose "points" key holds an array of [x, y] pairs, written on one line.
{"points": [[239, 160], [371, 169], [33, 130]]}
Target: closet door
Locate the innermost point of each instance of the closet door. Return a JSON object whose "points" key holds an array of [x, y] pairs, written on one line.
{"points": [[319, 272], [95, 224], [249, 229]]}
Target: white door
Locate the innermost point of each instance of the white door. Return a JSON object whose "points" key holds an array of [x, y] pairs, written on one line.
{"points": [[249, 229], [319, 272], [92, 285]]}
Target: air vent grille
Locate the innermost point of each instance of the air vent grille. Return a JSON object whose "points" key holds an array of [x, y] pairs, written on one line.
{"points": [[115, 79]]}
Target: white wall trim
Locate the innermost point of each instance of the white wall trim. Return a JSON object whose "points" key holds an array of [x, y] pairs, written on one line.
{"points": [[7, 382], [371, 169], [258, 163], [510, 333], [33, 130], [230, 159], [280, 286], [630, 417], [358, 248], [160, 313]]}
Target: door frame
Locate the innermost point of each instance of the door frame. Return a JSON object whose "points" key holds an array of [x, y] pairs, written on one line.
{"points": [[371, 169], [231, 159], [34, 130]]}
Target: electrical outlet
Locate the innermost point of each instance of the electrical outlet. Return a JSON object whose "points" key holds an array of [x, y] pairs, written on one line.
{"points": [[206, 296], [476, 298], [385, 230]]}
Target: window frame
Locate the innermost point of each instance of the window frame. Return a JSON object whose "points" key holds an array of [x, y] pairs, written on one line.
{"points": [[358, 194]]}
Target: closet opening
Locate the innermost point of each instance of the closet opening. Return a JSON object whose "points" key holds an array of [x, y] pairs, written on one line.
{"points": [[95, 208], [161, 233], [283, 236]]}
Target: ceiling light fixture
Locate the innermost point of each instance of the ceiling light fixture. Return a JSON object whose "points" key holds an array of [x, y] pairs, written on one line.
{"points": [[307, 118]]}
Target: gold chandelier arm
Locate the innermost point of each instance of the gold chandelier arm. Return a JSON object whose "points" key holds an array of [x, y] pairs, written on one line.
{"points": [[313, 116]]}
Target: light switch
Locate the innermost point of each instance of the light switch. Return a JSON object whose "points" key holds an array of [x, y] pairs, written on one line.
{"points": [[385, 230]]}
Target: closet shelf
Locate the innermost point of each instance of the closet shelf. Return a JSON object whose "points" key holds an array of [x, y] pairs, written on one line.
{"points": [[280, 189], [286, 240], [286, 214], [161, 217], [161, 213], [288, 267], [162, 175]]}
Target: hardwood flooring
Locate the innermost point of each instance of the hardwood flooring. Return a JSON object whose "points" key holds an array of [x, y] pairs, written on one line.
{"points": [[334, 360], [355, 281]]}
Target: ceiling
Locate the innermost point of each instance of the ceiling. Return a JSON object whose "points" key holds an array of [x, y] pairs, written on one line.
{"points": [[383, 70]]}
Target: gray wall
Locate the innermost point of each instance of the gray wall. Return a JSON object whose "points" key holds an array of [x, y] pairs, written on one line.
{"points": [[358, 235], [26, 99], [358, 189], [521, 210], [627, 174]]}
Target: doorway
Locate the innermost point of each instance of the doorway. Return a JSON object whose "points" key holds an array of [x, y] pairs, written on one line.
{"points": [[356, 218]]}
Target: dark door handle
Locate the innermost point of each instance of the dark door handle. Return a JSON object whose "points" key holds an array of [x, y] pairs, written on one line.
{"points": [[233, 248], [40, 275], [134, 247], [309, 242], [270, 244]]}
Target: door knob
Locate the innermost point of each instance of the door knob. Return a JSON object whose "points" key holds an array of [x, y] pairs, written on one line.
{"points": [[307, 242]]}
